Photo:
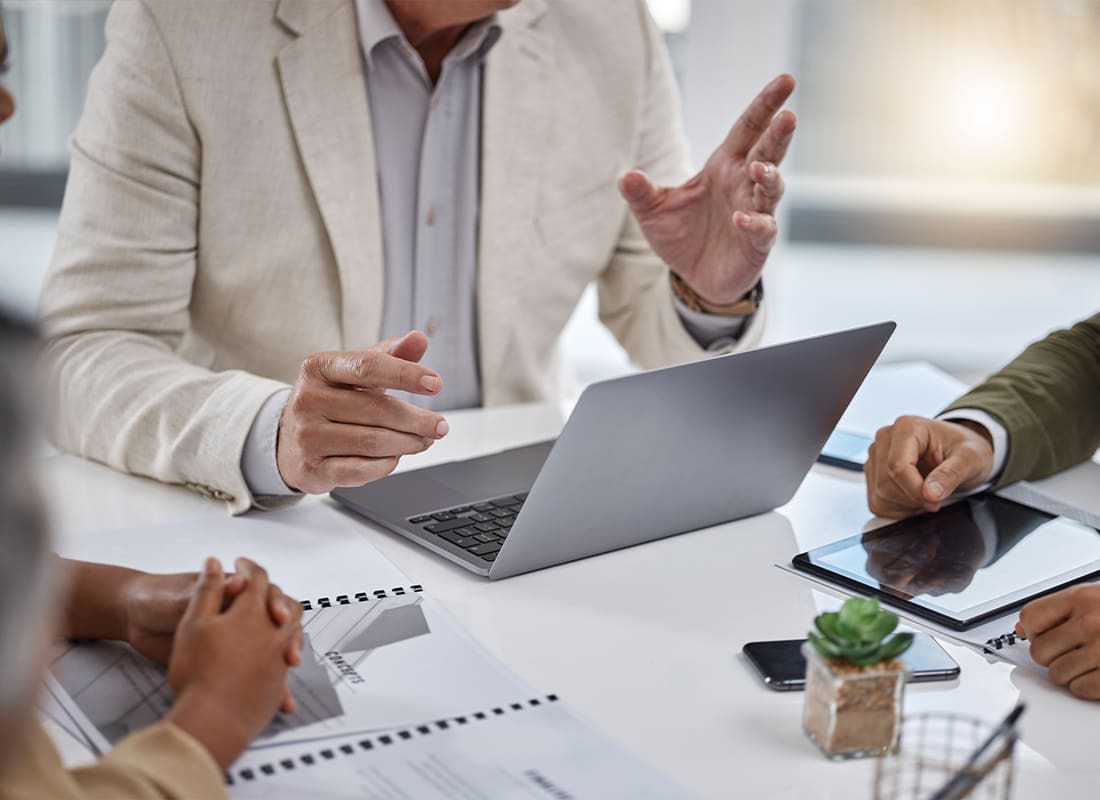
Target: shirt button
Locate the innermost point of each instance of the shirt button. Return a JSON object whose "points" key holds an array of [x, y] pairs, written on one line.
{"points": [[435, 101], [432, 216], [431, 327]]}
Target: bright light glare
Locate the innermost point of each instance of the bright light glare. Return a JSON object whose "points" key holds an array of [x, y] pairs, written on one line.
{"points": [[672, 16], [988, 107]]}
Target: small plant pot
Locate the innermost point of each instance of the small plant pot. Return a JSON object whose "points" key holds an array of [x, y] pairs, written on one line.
{"points": [[852, 712]]}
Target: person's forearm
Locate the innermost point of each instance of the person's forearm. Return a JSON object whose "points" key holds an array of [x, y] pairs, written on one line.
{"points": [[208, 723], [96, 608]]}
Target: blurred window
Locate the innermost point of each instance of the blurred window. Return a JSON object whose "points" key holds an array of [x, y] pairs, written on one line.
{"points": [[984, 110]]}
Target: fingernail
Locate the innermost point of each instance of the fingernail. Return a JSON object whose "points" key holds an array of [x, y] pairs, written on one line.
{"points": [[442, 429], [767, 169], [428, 442], [937, 489], [212, 567], [430, 382]]}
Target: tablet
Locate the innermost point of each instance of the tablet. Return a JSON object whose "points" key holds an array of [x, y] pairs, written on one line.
{"points": [[972, 561]]}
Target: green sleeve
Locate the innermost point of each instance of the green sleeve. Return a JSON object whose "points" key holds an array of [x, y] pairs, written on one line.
{"points": [[1048, 399]]}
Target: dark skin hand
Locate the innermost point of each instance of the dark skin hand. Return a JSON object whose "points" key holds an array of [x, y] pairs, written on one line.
{"points": [[1064, 631], [916, 464], [229, 672], [144, 609]]}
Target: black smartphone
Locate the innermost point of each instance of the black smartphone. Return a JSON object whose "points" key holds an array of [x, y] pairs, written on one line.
{"points": [[781, 666], [845, 450]]}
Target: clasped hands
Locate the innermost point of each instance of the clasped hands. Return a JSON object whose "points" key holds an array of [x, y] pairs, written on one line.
{"points": [[228, 642], [342, 427]]}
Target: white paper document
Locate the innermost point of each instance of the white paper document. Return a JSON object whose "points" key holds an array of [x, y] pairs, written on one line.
{"points": [[368, 665], [534, 750]]}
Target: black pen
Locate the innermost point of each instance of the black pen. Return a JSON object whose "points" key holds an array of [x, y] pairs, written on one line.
{"points": [[966, 778]]}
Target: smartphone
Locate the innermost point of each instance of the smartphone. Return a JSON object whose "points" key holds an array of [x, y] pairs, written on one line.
{"points": [[781, 666], [845, 450]]}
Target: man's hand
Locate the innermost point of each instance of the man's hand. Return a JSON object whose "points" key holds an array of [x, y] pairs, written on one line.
{"points": [[717, 229], [341, 428], [1064, 631], [916, 463], [228, 671]]}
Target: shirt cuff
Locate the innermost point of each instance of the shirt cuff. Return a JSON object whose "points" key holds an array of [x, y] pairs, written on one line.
{"points": [[713, 332], [259, 463], [997, 433]]}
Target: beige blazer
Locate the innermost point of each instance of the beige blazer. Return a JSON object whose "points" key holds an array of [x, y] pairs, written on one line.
{"points": [[160, 762], [221, 220]]}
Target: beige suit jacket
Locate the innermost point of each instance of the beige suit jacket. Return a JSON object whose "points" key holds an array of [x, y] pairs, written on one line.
{"points": [[160, 762], [221, 220]]}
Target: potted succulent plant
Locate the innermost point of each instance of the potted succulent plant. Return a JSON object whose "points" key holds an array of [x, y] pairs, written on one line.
{"points": [[854, 680]]}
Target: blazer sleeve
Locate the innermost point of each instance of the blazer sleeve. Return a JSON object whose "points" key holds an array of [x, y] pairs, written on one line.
{"points": [[115, 305], [159, 763], [635, 296], [1048, 399]]}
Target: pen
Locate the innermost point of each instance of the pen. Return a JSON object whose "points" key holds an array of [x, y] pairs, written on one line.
{"points": [[965, 779]]}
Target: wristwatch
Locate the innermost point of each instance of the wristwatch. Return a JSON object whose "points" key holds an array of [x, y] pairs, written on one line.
{"points": [[744, 307]]}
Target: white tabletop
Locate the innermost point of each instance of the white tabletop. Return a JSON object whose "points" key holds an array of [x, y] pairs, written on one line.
{"points": [[643, 643]]}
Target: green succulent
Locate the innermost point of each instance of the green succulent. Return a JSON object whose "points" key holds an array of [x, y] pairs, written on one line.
{"points": [[858, 633]]}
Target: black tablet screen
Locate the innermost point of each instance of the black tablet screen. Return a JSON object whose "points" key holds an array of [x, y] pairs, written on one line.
{"points": [[968, 561]]}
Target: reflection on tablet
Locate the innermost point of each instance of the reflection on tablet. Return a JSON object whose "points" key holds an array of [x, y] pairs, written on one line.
{"points": [[973, 560]]}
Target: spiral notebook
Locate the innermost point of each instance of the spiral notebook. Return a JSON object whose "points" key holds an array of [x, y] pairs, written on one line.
{"points": [[1011, 647], [527, 749], [394, 699], [372, 660]]}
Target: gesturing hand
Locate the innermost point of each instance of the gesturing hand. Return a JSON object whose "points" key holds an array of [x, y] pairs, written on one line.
{"points": [[916, 463], [717, 229], [341, 428], [228, 671]]}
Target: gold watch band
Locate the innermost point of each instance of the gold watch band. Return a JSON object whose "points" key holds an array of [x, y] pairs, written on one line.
{"points": [[689, 297]]}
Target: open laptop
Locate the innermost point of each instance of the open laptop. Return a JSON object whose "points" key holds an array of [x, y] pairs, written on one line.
{"points": [[642, 457]]}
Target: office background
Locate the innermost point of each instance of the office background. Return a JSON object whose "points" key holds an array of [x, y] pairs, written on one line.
{"points": [[946, 173]]}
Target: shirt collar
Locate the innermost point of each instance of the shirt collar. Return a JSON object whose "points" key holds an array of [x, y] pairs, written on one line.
{"points": [[377, 25]]}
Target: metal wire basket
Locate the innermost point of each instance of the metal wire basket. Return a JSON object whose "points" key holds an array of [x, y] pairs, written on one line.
{"points": [[934, 749]]}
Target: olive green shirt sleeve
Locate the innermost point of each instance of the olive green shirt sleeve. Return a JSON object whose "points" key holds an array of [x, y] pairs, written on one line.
{"points": [[1048, 399], [160, 762]]}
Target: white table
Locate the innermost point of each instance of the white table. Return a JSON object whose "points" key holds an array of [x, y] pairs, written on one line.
{"points": [[643, 643]]}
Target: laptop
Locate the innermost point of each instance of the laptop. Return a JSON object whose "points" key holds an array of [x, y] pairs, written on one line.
{"points": [[642, 457]]}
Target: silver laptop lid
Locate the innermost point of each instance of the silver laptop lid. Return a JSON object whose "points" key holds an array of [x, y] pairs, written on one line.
{"points": [[686, 447]]}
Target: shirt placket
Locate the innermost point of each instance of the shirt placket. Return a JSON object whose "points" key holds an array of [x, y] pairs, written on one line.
{"points": [[435, 278]]}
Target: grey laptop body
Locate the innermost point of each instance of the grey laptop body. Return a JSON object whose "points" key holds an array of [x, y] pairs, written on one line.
{"points": [[641, 457]]}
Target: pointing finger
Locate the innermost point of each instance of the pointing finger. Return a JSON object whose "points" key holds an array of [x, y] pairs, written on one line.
{"points": [[372, 369], [754, 121], [775, 142]]}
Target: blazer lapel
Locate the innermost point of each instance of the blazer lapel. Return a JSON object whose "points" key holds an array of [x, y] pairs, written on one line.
{"points": [[514, 129], [326, 95]]}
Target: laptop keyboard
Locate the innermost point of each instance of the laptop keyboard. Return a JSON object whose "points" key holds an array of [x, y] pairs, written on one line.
{"points": [[479, 528]]}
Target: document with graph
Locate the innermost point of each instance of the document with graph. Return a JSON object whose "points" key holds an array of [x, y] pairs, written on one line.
{"points": [[372, 661]]}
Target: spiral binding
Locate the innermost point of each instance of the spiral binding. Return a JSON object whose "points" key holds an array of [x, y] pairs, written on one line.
{"points": [[370, 743], [359, 597], [1004, 640]]}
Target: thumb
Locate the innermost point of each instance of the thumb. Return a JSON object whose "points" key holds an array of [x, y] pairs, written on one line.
{"points": [[410, 347], [638, 191], [207, 599], [945, 479]]}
